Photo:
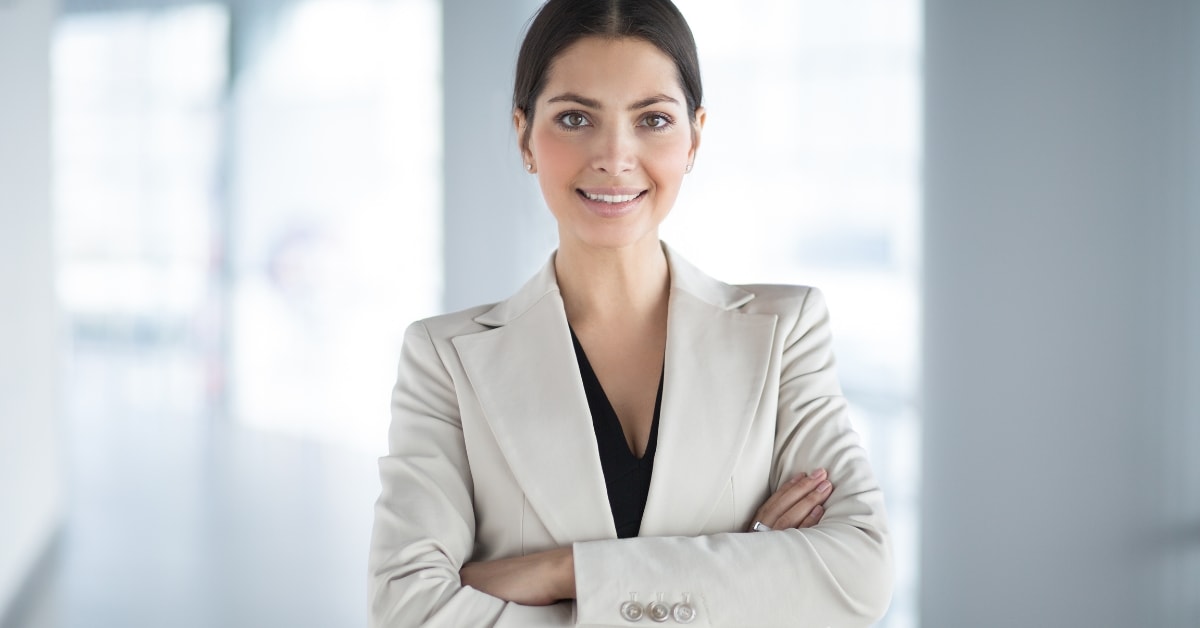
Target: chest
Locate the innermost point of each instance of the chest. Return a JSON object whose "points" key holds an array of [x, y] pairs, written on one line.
{"points": [[629, 370]]}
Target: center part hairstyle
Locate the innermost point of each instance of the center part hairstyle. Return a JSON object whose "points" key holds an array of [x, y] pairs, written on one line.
{"points": [[560, 23]]}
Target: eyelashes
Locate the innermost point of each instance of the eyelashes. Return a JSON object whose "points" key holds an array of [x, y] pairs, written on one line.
{"points": [[572, 120], [663, 123], [577, 120]]}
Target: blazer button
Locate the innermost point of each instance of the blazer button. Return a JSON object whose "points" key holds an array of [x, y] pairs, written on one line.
{"points": [[658, 611], [683, 613], [631, 611]]}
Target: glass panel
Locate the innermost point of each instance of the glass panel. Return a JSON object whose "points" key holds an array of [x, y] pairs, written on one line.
{"points": [[337, 206], [137, 126]]}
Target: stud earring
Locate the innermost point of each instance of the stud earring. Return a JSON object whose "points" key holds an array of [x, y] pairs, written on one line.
{"points": [[688, 168], [529, 167]]}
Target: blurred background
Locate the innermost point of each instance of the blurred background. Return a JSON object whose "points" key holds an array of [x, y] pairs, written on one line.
{"points": [[217, 218]]}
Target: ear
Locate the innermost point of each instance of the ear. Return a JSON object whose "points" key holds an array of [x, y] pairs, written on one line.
{"points": [[697, 127], [520, 123]]}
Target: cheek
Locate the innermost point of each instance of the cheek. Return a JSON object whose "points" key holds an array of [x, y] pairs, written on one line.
{"points": [[667, 160], [554, 153]]}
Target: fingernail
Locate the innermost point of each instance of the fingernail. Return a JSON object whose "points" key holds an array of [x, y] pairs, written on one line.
{"points": [[818, 474], [824, 487]]}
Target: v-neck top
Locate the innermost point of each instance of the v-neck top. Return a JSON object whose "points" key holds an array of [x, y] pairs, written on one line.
{"points": [[626, 476]]}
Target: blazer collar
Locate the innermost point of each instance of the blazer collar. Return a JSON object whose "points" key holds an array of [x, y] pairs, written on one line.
{"points": [[684, 277], [526, 378]]}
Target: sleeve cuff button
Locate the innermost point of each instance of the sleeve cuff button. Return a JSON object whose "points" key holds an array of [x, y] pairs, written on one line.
{"points": [[658, 611], [632, 611], [683, 613]]}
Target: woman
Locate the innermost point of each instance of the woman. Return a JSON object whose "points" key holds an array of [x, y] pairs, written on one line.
{"points": [[625, 439]]}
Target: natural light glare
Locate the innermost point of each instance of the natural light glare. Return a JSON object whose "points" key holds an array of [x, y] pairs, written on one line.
{"points": [[136, 161], [337, 202]]}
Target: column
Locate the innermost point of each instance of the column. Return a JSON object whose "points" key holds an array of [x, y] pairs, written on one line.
{"points": [[1061, 317], [31, 478]]}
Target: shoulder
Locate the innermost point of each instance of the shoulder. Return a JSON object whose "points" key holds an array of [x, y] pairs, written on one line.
{"points": [[782, 299], [428, 342], [764, 298], [801, 311], [779, 295], [443, 327]]}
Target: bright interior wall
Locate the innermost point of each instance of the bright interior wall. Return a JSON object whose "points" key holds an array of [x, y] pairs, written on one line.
{"points": [[31, 490], [1060, 336]]}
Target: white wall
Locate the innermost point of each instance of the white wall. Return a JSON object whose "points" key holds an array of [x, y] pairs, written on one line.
{"points": [[31, 491], [497, 228], [1061, 333]]}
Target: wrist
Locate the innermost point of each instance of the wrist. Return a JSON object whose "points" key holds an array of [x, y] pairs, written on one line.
{"points": [[564, 569]]}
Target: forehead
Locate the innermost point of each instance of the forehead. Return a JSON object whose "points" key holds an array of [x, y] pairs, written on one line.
{"points": [[613, 70]]}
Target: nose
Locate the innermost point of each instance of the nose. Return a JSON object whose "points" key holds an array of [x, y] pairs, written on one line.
{"points": [[615, 151]]}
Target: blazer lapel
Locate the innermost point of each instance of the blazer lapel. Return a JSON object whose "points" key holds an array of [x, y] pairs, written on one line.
{"points": [[716, 364], [526, 377], [716, 367]]}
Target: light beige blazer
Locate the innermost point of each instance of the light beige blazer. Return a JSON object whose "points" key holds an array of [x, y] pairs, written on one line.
{"points": [[492, 454]]}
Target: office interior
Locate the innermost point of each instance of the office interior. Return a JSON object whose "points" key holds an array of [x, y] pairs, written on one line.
{"points": [[217, 218]]}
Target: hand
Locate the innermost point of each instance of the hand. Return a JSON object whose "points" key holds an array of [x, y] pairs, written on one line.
{"points": [[799, 503], [536, 579]]}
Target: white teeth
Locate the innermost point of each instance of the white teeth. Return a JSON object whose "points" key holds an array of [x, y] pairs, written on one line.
{"points": [[608, 198]]}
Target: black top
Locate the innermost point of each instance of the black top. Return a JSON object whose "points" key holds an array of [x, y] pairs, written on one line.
{"points": [[626, 476]]}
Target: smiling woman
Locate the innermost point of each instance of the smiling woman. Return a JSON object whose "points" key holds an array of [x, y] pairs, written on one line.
{"points": [[614, 139], [625, 437]]}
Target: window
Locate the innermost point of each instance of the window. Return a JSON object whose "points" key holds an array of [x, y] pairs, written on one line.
{"points": [[336, 213], [137, 158], [264, 233]]}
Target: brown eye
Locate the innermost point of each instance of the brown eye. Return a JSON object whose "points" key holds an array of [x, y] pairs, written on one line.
{"points": [[656, 121], [573, 120]]}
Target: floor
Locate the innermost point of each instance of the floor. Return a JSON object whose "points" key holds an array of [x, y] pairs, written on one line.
{"points": [[178, 519]]}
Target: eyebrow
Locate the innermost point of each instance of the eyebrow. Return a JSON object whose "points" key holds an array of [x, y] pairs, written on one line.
{"points": [[595, 104]]}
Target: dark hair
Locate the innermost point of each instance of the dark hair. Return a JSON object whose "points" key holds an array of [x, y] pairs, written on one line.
{"points": [[560, 23]]}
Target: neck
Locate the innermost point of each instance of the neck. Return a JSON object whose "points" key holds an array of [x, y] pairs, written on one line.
{"points": [[602, 284]]}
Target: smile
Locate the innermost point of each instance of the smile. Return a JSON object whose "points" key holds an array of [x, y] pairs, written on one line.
{"points": [[611, 203], [609, 198]]}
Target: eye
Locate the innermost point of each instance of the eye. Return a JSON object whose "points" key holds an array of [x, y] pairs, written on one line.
{"points": [[573, 120], [657, 121]]}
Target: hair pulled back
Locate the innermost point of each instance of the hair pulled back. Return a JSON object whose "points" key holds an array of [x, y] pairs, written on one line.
{"points": [[560, 23]]}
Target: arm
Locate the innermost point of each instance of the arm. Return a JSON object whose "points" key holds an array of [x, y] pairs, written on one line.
{"points": [[549, 576], [424, 519], [837, 573]]}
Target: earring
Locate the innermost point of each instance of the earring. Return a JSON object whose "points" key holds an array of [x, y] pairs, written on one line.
{"points": [[688, 168], [528, 167]]}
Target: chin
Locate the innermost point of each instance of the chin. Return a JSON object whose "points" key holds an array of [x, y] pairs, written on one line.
{"points": [[615, 238]]}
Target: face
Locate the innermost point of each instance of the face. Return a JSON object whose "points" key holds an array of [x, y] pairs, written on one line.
{"points": [[610, 141]]}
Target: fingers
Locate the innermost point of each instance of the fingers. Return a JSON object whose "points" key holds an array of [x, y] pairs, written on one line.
{"points": [[803, 507], [805, 514], [798, 503], [794, 489], [813, 517], [775, 504], [788, 495]]}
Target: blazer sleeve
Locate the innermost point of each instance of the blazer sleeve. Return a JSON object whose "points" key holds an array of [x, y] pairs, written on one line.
{"points": [[838, 573], [424, 525]]}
